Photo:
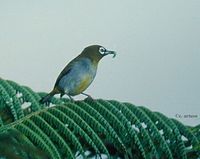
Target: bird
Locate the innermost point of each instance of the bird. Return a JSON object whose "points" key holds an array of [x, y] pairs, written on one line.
{"points": [[79, 73]]}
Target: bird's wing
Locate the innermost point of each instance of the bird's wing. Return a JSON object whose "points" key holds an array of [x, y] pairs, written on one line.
{"points": [[64, 72]]}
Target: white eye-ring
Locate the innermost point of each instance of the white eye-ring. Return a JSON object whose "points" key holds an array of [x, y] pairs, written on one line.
{"points": [[102, 50]]}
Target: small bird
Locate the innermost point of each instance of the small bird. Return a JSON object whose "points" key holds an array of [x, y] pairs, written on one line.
{"points": [[79, 73]]}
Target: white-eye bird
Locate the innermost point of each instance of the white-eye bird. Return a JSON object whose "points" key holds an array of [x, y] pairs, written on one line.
{"points": [[79, 73]]}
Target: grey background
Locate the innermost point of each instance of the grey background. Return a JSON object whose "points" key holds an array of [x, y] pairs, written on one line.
{"points": [[157, 43]]}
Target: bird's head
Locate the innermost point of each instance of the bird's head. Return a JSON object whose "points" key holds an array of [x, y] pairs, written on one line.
{"points": [[96, 52]]}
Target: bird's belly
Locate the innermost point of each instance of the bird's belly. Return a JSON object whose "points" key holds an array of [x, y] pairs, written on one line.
{"points": [[77, 81], [81, 85]]}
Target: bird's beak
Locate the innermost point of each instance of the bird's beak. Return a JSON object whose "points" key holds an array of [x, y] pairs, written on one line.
{"points": [[110, 52]]}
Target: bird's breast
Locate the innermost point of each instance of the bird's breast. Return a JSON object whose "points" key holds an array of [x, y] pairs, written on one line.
{"points": [[79, 78]]}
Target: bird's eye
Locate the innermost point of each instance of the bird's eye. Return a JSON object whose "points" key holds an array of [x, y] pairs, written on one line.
{"points": [[102, 50]]}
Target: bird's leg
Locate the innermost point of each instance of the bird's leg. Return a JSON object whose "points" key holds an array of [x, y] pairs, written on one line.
{"points": [[61, 95], [88, 96], [71, 99]]}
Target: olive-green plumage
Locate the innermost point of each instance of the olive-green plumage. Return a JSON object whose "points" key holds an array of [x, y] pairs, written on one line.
{"points": [[79, 73]]}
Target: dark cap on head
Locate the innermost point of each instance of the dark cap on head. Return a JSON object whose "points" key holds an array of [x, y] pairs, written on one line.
{"points": [[96, 52]]}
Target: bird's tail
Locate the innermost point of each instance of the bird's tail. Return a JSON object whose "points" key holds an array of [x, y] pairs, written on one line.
{"points": [[48, 97]]}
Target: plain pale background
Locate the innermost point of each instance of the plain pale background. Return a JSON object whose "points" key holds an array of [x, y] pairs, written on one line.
{"points": [[158, 45]]}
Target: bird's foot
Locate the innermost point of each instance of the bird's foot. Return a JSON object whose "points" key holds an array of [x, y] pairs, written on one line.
{"points": [[71, 99], [88, 96], [61, 95]]}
